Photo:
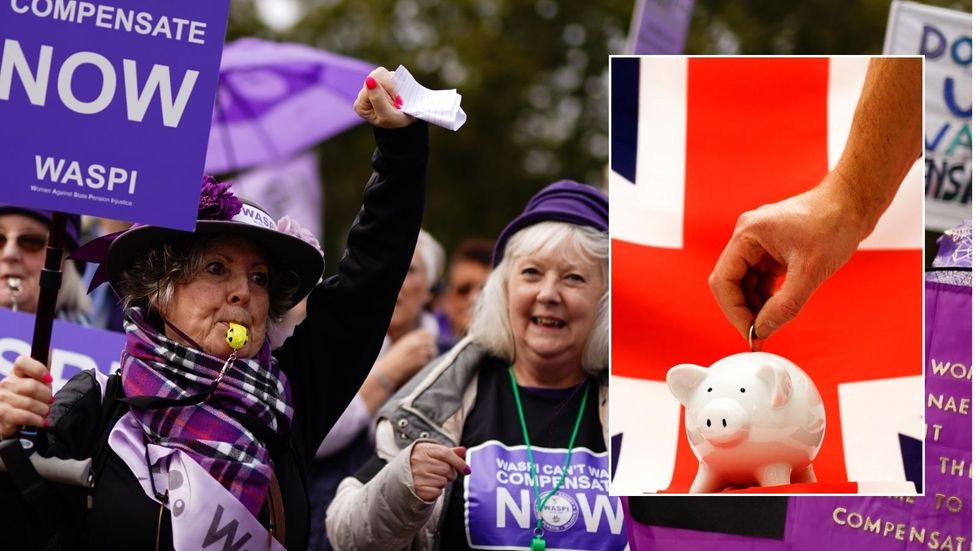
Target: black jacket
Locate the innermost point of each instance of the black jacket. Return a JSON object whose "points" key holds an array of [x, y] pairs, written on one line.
{"points": [[325, 360]]}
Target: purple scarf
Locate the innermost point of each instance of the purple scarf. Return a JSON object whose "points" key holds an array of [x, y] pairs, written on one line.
{"points": [[153, 365]]}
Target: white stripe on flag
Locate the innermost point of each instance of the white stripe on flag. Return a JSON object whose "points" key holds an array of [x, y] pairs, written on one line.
{"points": [[901, 225], [647, 415], [872, 414], [651, 211]]}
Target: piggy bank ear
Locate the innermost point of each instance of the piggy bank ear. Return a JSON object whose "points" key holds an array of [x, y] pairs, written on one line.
{"points": [[779, 382], [683, 379]]}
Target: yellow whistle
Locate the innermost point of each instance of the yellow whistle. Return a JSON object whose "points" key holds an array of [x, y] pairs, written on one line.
{"points": [[237, 336]]}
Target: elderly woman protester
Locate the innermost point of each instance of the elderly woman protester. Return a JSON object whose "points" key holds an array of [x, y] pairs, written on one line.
{"points": [[518, 407], [207, 436], [409, 345], [23, 241]]}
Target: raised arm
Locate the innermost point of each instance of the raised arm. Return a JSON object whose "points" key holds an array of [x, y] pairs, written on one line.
{"points": [[331, 352]]}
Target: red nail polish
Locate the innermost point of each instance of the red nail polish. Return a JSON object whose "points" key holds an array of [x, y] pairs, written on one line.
{"points": [[398, 100], [52, 400], [370, 83], [47, 378], [45, 423]]}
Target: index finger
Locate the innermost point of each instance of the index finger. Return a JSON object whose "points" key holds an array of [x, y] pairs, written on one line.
{"points": [[383, 77], [26, 366], [725, 282], [450, 456], [382, 98]]}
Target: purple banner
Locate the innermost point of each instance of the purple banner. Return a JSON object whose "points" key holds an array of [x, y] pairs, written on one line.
{"points": [[500, 499], [940, 519], [660, 26], [106, 105], [73, 347]]}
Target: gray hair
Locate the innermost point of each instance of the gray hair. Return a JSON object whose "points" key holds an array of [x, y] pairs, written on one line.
{"points": [[491, 324], [433, 257], [72, 296], [155, 273]]}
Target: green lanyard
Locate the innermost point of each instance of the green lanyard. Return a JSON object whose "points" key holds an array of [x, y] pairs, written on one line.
{"points": [[537, 542]]}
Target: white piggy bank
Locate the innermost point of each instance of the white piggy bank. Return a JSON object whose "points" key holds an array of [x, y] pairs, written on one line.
{"points": [[752, 419]]}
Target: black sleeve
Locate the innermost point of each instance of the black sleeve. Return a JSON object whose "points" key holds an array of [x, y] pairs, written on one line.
{"points": [[331, 352], [75, 418]]}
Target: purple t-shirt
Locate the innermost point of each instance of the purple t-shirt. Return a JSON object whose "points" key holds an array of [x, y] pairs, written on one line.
{"points": [[493, 508]]}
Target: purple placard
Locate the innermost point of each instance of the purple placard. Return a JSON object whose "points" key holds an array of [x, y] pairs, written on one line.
{"points": [[940, 519], [499, 497], [660, 26], [106, 105], [73, 347]]}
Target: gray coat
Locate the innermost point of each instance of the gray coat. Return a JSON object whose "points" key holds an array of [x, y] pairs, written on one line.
{"points": [[385, 513]]}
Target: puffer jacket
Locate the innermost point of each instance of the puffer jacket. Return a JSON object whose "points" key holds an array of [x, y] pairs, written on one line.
{"points": [[385, 513]]}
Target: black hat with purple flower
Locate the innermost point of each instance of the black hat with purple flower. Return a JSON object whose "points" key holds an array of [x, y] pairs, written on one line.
{"points": [[220, 212]]}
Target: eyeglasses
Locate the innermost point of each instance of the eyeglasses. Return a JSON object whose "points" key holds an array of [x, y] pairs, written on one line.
{"points": [[27, 242]]}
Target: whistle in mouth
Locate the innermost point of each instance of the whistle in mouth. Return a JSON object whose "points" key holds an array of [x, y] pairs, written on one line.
{"points": [[237, 336]]}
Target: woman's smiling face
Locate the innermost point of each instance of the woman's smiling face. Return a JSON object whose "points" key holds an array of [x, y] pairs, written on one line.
{"points": [[552, 303]]}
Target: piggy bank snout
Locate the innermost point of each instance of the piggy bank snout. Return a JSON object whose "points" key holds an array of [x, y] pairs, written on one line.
{"points": [[723, 422]]}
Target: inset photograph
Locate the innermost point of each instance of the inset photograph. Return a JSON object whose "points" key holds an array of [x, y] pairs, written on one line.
{"points": [[767, 294]]}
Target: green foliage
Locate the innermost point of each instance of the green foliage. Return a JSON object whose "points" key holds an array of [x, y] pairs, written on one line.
{"points": [[779, 27], [533, 76]]}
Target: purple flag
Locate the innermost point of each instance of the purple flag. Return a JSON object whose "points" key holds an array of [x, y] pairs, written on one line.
{"points": [[276, 99], [660, 26]]}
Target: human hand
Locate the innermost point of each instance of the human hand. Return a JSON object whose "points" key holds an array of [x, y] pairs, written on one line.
{"points": [[408, 355], [434, 466], [379, 103], [806, 238], [25, 396]]}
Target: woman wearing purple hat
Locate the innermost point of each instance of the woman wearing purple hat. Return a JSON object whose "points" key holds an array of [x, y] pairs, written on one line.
{"points": [[501, 442], [23, 241], [205, 437]]}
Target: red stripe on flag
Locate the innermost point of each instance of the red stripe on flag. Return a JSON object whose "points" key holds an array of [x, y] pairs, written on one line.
{"points": [[757, 134]]}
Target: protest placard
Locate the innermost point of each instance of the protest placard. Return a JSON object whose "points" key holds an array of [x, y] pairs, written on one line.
{"points": [[945, 40], [107, 105], [75, 347]]}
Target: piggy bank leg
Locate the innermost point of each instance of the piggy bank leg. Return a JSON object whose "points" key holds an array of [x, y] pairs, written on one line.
{"points": [[706, 481], [775, 474], [804, 476]]}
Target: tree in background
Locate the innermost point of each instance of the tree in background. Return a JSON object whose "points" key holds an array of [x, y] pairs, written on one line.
{"points": [[816, 27], [533, 76]]}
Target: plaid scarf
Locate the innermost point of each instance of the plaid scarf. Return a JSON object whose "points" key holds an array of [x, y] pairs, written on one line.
{"points": [[153, 365]]}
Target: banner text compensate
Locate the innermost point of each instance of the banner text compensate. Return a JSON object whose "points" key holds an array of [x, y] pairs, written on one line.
{"points": [[113, 18]]}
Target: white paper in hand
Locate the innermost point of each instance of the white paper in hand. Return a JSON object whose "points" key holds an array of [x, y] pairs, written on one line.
{"points": [[439, 107]]}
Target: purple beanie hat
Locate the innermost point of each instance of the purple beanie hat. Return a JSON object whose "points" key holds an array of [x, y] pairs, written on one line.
{"points": [[562, 201]]}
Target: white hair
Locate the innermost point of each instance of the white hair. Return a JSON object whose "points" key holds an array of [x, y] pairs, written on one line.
{"points": [[433, 258], [491, 323]]}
